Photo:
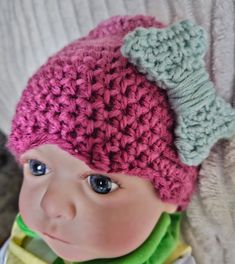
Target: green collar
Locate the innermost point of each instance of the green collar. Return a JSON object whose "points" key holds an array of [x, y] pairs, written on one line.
{"points": [[155, 249]]}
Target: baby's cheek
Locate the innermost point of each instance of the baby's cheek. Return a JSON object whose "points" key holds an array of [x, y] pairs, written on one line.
{"points": [[118, 240], [27, 206], [130, 237]]}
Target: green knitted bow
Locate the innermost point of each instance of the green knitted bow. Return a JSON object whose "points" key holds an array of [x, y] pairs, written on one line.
{"points": [[173, 58]]}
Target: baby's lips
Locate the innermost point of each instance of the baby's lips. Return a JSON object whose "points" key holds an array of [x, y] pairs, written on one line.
{"points": [[54, 237]]}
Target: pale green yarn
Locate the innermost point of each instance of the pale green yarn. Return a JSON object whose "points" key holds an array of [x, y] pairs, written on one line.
{"points": [[173, 58]]}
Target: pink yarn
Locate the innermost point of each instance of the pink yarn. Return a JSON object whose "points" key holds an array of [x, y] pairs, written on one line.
{"points": [[90, 101]]}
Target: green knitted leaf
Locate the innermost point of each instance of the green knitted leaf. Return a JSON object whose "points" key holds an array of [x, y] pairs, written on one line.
{"points": [[173, 58], [166, 54], [196, 133]]}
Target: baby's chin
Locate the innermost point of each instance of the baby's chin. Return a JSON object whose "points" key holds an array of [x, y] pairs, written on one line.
{"points": [[76, 258], [71, 253]]}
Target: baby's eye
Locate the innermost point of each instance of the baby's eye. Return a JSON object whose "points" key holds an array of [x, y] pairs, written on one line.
{"points": [[102, 184], [37, 168]]}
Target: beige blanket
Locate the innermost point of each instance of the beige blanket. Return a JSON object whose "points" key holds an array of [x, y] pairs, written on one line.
{"points": [[30, 31]]}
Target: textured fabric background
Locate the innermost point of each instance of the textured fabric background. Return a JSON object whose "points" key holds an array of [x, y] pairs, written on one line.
{"points": [[10, 182], [30, 31]]}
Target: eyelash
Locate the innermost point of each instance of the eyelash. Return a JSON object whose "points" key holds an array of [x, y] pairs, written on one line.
{"points": [[84, 176]]}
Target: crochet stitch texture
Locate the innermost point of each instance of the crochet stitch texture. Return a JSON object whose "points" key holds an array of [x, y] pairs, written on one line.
{"points": [[93, 103]]}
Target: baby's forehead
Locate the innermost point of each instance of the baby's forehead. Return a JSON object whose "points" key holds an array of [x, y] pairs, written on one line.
{"points": [[43, 150], [46, 147], [54, 154]]}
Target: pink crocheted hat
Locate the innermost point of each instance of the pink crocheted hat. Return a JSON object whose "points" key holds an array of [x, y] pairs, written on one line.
{"points": [[94, 103]]}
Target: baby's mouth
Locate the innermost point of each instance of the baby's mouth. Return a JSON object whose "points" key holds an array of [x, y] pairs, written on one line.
{"points": [[56, 238]]}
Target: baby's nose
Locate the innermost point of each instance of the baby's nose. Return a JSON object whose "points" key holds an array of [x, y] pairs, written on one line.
{"points": [[57, 202]]}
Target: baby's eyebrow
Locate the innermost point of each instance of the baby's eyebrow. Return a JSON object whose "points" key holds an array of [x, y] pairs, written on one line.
{"points": [[29, 153]]}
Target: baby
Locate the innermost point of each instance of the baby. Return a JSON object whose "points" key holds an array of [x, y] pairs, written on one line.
{"points": [[111, 132]]}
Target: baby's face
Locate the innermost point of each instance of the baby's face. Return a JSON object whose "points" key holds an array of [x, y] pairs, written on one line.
{"points": [[100, 215]]}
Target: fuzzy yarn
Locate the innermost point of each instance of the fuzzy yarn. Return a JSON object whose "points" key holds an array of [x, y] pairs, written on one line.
{"points": [[93, 103]]}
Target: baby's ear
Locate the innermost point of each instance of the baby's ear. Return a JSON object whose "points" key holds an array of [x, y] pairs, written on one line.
{"points": [[170, 208]]}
